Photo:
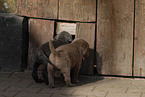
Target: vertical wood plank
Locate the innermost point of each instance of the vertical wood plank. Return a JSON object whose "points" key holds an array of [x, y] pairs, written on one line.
{"points": [[77, 10], [139, 54], [87, 31], [40, 31], [115, 36]]}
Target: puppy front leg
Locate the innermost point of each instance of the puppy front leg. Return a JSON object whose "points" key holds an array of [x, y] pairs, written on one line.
{"points": [[50, 75], [66, 74], [45, 75], [75, 73]]}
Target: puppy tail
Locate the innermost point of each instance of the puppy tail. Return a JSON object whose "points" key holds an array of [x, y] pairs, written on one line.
{"points": [[52, 49]]}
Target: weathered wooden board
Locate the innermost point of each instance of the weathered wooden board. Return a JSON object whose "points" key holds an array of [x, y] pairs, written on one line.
{"points": [[40, 31], [115, 36], [22, 7], [31, 8], [139, 53], [77, 10], [87, 31], [48, 9], [41, 9]]}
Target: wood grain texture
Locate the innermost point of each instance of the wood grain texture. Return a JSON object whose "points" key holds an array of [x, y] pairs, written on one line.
{"points": [[48, 9], [32, 8], [40, 32], [77, 10], [87, 31], [115, 36], [139, 54], [22, 7], [38, 8]]}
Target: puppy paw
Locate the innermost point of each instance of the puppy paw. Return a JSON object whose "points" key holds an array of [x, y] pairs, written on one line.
{"points": [[75, 81], [71, 85], [46, 82], [39, 81], [51, 86]]}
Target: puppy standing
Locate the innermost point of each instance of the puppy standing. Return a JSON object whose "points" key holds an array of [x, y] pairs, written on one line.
{"points": [[42, 54], [67, 58]]}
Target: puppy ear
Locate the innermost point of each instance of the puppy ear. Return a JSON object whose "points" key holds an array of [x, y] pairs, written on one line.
{"points": [[84, 49]]}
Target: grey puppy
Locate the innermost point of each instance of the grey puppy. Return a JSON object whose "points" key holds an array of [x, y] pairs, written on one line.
{"points": [[41, 55]]}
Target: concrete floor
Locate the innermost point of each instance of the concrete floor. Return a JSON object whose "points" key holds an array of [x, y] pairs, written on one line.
{"points": [[20, 84]]}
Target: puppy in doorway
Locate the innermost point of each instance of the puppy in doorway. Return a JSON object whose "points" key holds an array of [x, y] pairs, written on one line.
{"points": [[42, 55], [67, 59]]}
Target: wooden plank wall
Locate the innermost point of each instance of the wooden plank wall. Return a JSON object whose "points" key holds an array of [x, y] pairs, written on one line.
{"points": [[73, 10], [115, 30], [77, 10], [115, 36], [47, 9], [40, 32], [139, 50], [51, 10], [21, 7]]}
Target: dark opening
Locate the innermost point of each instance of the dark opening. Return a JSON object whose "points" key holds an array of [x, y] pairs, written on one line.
{"points": [[25, 43]]}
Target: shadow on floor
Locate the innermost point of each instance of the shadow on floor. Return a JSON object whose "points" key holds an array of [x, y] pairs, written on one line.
{"points": [[88, 79]]}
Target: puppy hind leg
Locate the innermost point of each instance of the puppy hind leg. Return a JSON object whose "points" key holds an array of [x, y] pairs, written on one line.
{"points": [[34, 72], [45, 72], [66, 74], [45, 76], [50, 75]]}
